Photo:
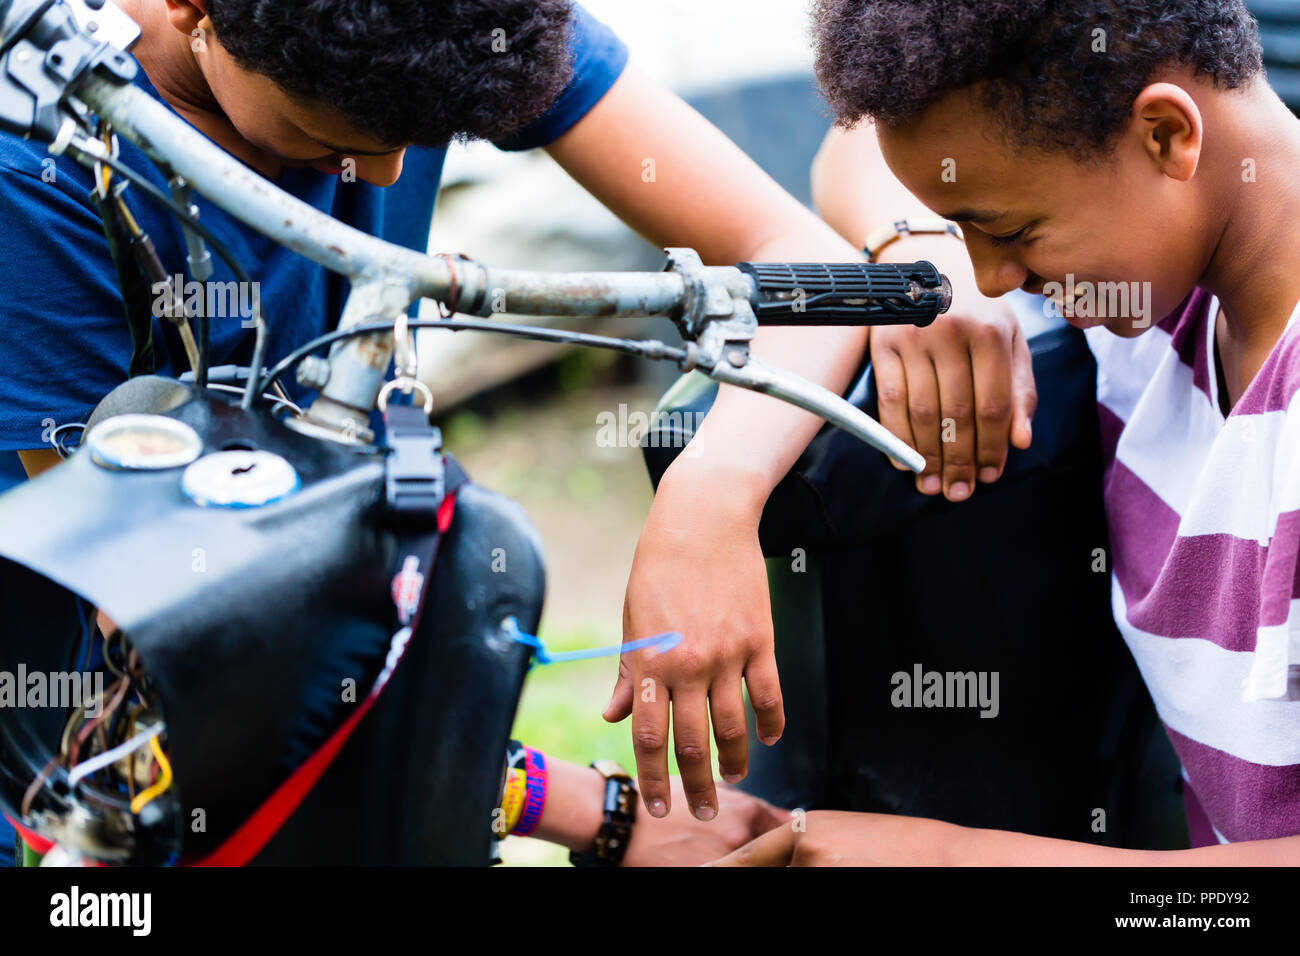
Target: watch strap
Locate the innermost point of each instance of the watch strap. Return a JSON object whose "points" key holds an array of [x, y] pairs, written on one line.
{"points": [[619, 810]]}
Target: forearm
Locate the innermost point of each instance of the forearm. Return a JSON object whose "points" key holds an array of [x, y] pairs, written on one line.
{"points": [[574, 806], [856, 193], [1000, 848], [853, 188]]}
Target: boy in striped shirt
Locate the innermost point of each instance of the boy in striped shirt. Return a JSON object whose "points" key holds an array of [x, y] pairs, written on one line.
{"points": [[1128, 160]]}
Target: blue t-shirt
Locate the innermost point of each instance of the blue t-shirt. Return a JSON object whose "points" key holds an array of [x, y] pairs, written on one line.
{"points": [[64, 342]]}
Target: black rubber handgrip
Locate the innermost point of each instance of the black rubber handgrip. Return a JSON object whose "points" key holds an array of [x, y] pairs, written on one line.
{"points": [[863, 293]]}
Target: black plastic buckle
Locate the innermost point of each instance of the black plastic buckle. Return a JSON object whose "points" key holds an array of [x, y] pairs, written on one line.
{"points": [[416, 476]]}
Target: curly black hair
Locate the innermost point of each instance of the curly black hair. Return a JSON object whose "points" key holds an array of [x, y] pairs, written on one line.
{"points": [[1060, 74], [409, 71]]}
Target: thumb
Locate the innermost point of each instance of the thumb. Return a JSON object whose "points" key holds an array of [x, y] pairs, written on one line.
{"points": [[620, 702]]}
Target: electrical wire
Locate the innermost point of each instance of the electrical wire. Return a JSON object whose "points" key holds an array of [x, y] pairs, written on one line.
{"points": [[108, 651], [277, 400], [649, 348], [36, 785], [102, 730], [181, 213], [119, 693], [142, 247], [110, 757], [145, 797]]}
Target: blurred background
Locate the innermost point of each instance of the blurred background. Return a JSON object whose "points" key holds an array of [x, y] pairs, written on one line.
{"points": [[523, 417]]}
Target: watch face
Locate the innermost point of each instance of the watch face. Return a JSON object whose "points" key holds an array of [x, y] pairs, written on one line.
{"points": [[143, 443]]}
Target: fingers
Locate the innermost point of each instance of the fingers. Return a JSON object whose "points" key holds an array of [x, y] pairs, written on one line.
{"points": [[891, 391], [773, 848], [923, 411], [1023, 390], [957, 426], [727, 708], [650, 743], [620, 702], [764, 688], [991, 367], [691, 742]]}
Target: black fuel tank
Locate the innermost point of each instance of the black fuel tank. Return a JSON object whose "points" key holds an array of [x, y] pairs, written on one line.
{"points": [[250, 621]]}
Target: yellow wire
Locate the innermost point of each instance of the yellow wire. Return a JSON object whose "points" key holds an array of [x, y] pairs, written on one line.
{"points": [[145, 797], [107, 170]]}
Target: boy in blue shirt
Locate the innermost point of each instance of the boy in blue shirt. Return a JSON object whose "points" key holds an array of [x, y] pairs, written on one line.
{"points": [[376, 90]]}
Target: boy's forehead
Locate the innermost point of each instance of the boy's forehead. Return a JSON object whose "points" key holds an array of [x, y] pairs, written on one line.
{"points": [[322, 123], [957, 160]]}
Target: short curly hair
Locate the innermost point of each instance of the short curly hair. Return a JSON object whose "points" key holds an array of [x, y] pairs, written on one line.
{"points": [[1060, 74], [409, 71]]}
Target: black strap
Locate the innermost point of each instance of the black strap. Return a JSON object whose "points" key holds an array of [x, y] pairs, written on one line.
{"points": [[418, 479]]}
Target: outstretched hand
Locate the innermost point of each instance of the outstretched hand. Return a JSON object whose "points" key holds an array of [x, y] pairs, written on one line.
{"points": [[698, 570]]}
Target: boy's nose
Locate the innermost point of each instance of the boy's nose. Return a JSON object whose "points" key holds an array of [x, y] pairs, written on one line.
{"points": [[996, 273], [380, 170]]}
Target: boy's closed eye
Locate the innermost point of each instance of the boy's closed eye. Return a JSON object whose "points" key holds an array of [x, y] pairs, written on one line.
{"points": [[1008, 240]]}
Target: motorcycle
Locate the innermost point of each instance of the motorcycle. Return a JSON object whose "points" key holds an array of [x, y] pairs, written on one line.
{"points": [[313, 660]]}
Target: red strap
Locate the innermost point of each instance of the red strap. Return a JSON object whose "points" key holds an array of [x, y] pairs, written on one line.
{"points": [[255, 832], [33, 839]]}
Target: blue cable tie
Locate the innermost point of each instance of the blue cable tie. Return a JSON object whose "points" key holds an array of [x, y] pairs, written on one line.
{"points": [[665, 642]]}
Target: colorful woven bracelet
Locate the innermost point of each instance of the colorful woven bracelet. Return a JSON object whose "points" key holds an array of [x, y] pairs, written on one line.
{"points": [[512, 802], [535, 793]]}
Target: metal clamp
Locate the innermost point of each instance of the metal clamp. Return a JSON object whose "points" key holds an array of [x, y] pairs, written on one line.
{"points": [[406, 385], [405, 357], [407, 363]]}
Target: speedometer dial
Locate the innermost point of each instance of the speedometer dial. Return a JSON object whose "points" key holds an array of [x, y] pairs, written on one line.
{"points": [[143, 443]]}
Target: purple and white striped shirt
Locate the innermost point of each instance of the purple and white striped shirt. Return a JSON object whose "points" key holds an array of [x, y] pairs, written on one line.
{"points": [[1204, 515]]}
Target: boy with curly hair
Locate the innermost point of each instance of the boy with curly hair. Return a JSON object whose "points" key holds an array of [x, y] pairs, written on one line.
{"points": [[1089, 148]]}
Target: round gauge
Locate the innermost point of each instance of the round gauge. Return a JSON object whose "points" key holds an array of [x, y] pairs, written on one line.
{"points": [[239, 479], [143, 443]]}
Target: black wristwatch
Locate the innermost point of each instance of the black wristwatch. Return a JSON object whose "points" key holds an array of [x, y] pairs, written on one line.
{"points": [[620, 813]]}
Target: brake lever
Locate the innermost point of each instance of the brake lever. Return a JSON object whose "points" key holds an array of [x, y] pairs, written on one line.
{"points": [[718, 321], [757, 376]]}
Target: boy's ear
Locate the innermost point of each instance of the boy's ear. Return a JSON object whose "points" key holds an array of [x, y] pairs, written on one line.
{"points": [[186, 15], [1168, 124]]}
